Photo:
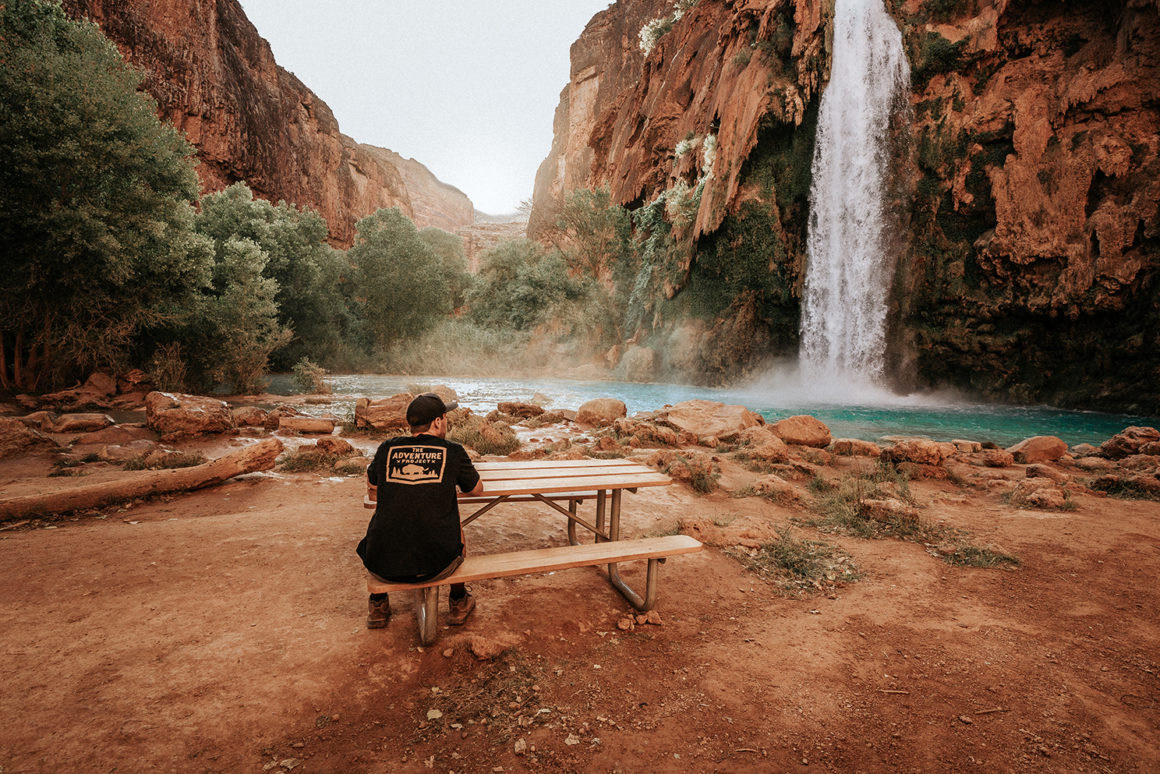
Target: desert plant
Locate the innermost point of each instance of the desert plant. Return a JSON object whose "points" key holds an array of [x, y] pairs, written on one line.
{"points": [[799, 566]]}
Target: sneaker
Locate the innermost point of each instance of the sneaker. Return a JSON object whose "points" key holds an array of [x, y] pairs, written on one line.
{"points": [[378, 613], [459, 609]]}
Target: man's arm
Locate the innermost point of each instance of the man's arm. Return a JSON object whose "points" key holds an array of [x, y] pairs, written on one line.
{"points": [[478, 490]]}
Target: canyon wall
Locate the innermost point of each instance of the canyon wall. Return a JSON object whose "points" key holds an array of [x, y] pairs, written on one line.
{"points": [[1028, 186], [215, 79]]}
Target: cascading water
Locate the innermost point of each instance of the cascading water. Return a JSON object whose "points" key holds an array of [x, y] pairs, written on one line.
{"points": [[849, 268]]}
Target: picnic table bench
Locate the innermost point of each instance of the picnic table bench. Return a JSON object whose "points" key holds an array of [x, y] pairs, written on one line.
{"points": [[570, 482]]}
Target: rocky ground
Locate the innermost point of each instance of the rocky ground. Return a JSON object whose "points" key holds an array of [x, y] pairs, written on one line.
{"points": [[967, 609]]}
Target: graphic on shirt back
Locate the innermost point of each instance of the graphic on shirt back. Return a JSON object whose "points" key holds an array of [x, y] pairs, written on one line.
{"points": [[416, 464]]}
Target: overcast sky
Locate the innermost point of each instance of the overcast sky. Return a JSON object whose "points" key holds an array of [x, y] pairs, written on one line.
{"points": [[467, 88]]}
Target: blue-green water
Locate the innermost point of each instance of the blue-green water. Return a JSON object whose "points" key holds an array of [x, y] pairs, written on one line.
{"points": [[870, 416]]}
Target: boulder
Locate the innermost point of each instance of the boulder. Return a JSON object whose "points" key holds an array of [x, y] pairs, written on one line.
{"points": [[100, 384], [133, 380], [705, 418], [383, 413], [1129, 442], [1040, 448], [520, 410], [1039, 493], [887, 509], [304, 424], [127, 451], [249, 416], [1037, 470], [275, 415], [998, 458], [639, 364], [762, 445], [40, 420], [81, 423], [852, 447], [1095, 464], [337, 446], [802, 430], [1152, 448], [174, 414], [600, 412], [17, 438], [918, 450], [968, 447], [776, 488], [647, 434], [1084, 450]]}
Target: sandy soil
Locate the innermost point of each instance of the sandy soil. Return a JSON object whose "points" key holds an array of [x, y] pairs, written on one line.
{"points": [[224, 631]]}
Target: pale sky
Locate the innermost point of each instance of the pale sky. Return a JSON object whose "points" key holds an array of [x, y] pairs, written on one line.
{"points": [[465, 87]]}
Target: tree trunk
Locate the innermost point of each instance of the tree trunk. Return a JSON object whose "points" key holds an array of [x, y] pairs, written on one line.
{"points": [[259, 456]]}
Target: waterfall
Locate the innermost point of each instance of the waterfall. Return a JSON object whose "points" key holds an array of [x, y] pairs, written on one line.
{"points": [[850, 268]]}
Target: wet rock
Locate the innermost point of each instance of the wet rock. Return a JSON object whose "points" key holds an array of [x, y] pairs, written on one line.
{"points": [[707, 418], [127, 451], [1040, 448], [175, 415], [918, 450], [337, 446], [383, 413], [853, 447], [17, 438], [311, 425], [601, 412], [803, 430], [1129, 442], [249, 416], [520, 410], [81, 423]]}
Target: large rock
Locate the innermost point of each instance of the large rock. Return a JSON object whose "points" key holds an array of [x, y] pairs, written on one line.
{"points": [[709, 419], [305, 424], [383, 413], [1129, 442], [249, 416], [854, 447], [761, 445], [17, 438], [520, 410], [803, 430], [639, 364], [174, 415], [600, 412], [215, 79], [82, 423], [917, 450], [1040, 448]]}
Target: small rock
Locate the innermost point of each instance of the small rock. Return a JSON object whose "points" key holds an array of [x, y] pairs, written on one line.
{"points": [[434, 714], [966, 719], [625, 624], [653, 617], [572, 739], [449, 653], [290, 763], [520, 747]]}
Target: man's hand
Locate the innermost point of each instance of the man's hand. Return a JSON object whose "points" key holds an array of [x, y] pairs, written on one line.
{"points": [[372, 492]]}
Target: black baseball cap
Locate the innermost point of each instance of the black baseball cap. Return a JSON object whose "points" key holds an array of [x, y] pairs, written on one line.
{"points": [[427, 408]]}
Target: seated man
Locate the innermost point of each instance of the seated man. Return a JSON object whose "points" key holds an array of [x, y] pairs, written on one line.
{"points": [[415, 535]]}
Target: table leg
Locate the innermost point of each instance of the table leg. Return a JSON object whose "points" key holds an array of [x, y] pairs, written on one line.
{"points": [[599, 531], [650, 592]]}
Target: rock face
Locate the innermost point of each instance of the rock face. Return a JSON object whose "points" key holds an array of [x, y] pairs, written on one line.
{"points": [[1029, 187], [215, 79]]}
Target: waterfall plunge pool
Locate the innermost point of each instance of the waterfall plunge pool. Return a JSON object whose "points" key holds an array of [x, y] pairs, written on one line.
{"points": [[853, 412]]}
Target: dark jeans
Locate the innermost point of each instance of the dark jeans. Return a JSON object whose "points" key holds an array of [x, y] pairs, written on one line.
{"points": [[458, 590]]}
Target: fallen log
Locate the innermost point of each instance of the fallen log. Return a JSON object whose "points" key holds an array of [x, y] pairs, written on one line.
{"points": [[259, 456]]}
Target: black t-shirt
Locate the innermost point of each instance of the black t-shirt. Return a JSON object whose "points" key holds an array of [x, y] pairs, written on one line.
{"points": [[415, 531]]}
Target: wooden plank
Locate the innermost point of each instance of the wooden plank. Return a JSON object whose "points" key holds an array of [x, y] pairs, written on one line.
{"points": [[533, 464], [533, 473], [526, 498], [576, 483], [485, 566]]}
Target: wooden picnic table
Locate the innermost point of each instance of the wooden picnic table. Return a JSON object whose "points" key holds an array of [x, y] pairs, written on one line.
{"points": [[570, 481]]}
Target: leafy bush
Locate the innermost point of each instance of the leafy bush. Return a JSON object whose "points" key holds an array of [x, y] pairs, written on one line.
{"points": [[308, 375], [519, 285]]}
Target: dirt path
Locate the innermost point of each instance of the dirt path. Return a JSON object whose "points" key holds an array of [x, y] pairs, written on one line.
{"points": [[223, 631]]}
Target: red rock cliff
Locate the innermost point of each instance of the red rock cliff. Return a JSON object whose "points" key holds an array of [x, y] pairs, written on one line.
{"points": [[1033, 260], [215, 79]]}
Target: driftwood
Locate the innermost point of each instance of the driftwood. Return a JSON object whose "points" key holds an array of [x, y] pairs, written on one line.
{"points": [[259, 456]]}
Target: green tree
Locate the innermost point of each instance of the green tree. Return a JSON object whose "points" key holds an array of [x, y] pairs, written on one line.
{"points": [[237, 327], [449, 248], [399, 282], [520, 286], [309, 299], [95, 202]]}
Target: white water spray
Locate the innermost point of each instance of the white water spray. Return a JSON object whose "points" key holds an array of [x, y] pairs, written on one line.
{"points": [[849, 270]]}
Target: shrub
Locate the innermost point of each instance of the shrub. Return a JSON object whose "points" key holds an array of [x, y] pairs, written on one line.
{"points": [[483, 436], [308, 376], [799, 566]]}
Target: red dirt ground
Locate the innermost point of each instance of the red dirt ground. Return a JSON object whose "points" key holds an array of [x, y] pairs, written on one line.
{"points": [[223, 631]]}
